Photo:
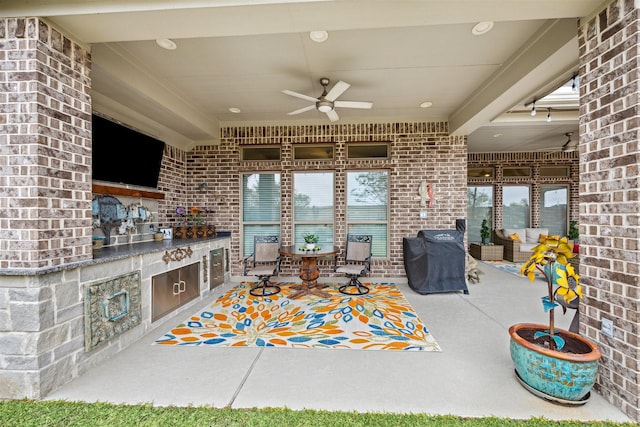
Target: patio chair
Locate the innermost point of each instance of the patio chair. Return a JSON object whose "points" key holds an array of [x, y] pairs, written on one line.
{"points": [[357, 261], [263, 263]]}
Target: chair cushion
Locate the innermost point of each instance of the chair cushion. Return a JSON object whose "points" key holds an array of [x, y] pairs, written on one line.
{"points": [[261, 270], [350, 269], [532, 235], [515, 237], [527, 247], [508, 232]]}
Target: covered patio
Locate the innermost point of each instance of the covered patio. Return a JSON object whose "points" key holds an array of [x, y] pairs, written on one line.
{"points": [[473, 375]]}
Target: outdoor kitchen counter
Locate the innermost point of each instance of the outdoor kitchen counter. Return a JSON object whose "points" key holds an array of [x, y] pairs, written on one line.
{"points": [[110, 253], [113, 253]]}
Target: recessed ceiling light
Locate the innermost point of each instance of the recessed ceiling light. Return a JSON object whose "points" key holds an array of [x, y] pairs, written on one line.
{"points": [[426, 104], [482, 28], [234, 110], [497, 135], [166, 44], [319, 36]]}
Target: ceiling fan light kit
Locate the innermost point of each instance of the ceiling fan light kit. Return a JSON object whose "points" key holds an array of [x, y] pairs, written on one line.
{"points": [[327, 102], [324, 106]]}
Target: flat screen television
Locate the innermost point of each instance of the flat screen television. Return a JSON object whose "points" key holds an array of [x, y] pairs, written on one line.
{"points": [[124, 156]]}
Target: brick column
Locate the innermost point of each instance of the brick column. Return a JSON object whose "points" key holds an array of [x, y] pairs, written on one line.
{"points": [[45, 147], [610, 197]]}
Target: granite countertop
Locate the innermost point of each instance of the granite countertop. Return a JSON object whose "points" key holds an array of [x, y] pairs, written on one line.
{"points": [[112, 253]]}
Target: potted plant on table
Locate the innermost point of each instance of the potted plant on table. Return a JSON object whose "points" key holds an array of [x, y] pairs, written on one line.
{"points": [[555, 364], [485, 232], [310, 240]]}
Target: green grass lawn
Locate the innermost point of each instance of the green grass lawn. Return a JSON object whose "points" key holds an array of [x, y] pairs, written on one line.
{"points": [[69, 414]]}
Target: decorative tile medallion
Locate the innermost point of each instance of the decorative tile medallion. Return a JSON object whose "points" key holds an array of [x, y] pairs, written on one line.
{"points": [[111, 307]]}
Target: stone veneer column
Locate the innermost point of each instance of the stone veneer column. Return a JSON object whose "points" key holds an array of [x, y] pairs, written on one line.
{"points": [[45, 147], [45, 204], [610, 196]]}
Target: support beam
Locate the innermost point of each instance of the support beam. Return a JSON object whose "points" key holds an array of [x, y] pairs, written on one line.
{"points": [[551, 52]]}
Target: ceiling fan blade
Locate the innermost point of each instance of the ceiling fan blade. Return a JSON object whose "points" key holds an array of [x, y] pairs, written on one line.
{"points": [[333, 116], [353, 104], [299, 95], [337, 90], [302, 110]]}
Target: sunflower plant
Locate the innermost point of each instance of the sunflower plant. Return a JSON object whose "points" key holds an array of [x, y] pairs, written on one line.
{"points": [[551, 258]]}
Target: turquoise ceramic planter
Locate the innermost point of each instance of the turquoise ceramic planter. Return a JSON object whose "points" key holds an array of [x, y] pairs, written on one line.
{"points": [[561, 375]]}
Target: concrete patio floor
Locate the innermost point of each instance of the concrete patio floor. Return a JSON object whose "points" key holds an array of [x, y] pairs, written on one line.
{"points": [[472, 376]]}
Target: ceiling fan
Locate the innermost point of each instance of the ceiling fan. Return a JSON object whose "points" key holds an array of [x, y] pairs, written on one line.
{"points": [[568, 147], [327, 102]]}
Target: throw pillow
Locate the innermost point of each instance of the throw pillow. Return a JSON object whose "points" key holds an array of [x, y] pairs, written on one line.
{"points": [[515, 237]]}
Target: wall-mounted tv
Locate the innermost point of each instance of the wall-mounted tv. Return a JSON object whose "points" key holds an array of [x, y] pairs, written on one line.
{"points": [[124, 156]]}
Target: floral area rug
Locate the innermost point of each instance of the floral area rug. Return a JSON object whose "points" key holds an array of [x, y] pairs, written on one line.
{"points": [[381, 320]]}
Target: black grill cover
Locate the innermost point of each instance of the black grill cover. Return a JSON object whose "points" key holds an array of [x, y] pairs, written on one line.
{"points": [[435, 261]]}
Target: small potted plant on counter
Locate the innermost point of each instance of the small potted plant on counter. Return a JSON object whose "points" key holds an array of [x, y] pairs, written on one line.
{"points": [[552, 363], [310, 240]]}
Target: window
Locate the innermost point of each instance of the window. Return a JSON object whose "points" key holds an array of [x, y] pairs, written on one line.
{"points": [[516, 172], [260, 207], [368, 207], [480, 172], [262, 153], [553, 208], [479, 207], [515, 206], [554, 171], [313, 152], [313, 206], [368, 151]]}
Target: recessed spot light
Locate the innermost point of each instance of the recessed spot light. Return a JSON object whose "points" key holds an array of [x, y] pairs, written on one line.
{"points": [[497, 135], [482, 28], [166, 44], [319, 36], [234, 110], [426, 104]]}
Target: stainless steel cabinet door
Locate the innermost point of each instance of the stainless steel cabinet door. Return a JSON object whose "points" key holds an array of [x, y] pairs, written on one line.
{"points": [[189, 282], [165, 294], [216, 268]]}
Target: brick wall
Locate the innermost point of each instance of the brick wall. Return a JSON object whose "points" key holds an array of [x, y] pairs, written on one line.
{"points": [[610, 196], [45, 146], [172, 181], [533, 160], [419, 151]]}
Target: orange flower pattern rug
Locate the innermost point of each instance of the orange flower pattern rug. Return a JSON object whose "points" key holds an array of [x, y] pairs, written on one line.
{"points": [[381, 320]]}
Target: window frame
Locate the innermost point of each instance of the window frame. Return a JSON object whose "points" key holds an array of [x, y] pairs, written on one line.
{"points": [[298, 147], [527, 169], [567, 188], [475, 237], [297, 236], [370, 144], [245, 148], [565, 169], [528, 187], [245, 224], [386, 222]]}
